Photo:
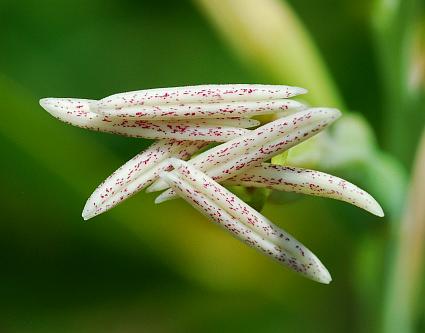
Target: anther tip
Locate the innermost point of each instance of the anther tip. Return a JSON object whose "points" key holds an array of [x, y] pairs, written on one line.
{"points": [[378, 211], [46, 103], [301, 91], [88, 212]]}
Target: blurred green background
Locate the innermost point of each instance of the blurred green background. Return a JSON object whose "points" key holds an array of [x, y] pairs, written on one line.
{"points": [[147, 268]]}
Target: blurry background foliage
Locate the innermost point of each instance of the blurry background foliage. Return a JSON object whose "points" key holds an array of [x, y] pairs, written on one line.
{"points": [[147, 268]]}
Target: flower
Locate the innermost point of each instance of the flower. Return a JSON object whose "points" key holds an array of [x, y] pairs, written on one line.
{"points": [[186, 119]]}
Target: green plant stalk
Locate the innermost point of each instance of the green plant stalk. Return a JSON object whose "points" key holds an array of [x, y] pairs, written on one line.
{"points": [[400, 41], [405, 275], [394, 25]]}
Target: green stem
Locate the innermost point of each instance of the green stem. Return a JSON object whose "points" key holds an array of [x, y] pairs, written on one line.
{"points": [[406, 270], [394, 25], [400, 40], [271, 39]]}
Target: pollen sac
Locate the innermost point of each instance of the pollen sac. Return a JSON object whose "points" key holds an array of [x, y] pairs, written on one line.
{"points": [[138, 173], [305, 181], [79, 112], [224, 208]]}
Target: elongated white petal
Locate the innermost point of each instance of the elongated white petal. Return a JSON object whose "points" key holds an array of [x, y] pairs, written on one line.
{"points": [[244, 222], [136, 174], [199, 94], [299, 180], [202, 110], [236, 156], [180, 130], [78, 112]]}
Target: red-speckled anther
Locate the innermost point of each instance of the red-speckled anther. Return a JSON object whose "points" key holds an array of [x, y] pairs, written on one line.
{"points": [[78, 112], [311, 182], [138, 173], [223, 207], [201, 94], [202, 110]]}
